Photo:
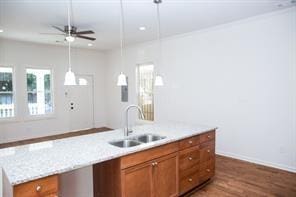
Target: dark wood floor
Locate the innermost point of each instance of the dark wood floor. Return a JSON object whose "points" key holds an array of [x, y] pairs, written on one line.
{"points": [[239, 178]]}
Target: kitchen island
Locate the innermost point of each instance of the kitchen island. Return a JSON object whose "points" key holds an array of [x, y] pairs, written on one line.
{"points": [[26, 164]]}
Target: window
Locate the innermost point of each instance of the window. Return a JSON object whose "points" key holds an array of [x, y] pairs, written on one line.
{"points": [[6, 93], [145, 90], [39, 91]]}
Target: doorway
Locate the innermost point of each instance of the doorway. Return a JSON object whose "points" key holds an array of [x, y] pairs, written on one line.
{"points": [[81, 103]]}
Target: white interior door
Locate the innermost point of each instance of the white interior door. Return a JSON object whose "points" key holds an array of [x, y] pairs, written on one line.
{"points": [[81, 104]]}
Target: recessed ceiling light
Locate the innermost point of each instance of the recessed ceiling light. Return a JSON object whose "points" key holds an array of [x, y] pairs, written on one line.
{"points": [[142, 28], [89, 44], [1, 30]]}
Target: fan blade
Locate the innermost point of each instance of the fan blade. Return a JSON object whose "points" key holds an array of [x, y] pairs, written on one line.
{"points": [[85, 37], [58, 28], [85, 32]]}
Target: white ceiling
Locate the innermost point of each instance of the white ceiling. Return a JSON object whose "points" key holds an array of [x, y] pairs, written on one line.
{"points": [[26, 19]]}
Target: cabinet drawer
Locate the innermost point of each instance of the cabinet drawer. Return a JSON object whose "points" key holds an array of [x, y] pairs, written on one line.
{"points": [[207, 136], [185, 173], [207, 151], [189, 157], [147, 155], [189, 142], [39, 188], [189, 181], [207, 170]]}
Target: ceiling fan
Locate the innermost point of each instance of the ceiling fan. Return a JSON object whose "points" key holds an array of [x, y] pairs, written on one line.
{"points": [[73, 33]]}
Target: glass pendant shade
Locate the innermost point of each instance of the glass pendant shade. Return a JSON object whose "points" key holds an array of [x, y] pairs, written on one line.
{"points": [[70, 78], [121, 80], [158, 81]]}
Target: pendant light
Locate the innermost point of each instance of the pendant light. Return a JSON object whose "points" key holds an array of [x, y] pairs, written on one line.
{"points": [[70, 78], [158, 78], [121, 80]]}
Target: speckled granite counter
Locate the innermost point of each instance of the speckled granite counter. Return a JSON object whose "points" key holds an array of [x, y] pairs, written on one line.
{"points": [[29, 162]]}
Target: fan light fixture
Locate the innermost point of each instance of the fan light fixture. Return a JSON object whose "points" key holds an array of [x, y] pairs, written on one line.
{"points": [[121, 80], [70, 78], [70, 38], [158, 78]]}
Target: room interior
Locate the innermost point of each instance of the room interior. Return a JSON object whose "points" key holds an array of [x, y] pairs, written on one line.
{"points": [[147, 98]]}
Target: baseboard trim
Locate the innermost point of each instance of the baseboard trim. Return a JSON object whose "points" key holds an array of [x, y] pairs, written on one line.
{"points": [[256, 161]]}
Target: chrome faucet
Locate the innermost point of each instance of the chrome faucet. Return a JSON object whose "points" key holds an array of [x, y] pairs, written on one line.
{"points": [[126, 129]]}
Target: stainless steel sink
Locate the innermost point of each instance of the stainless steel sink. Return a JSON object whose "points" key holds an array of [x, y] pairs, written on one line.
{"points": [[146, 138], [125, 143], [136, 140]]}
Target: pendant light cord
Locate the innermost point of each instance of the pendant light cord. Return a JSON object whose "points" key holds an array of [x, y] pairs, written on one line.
{"points": [[158, 22], [157, 2], [121, 34], [69, 31]]}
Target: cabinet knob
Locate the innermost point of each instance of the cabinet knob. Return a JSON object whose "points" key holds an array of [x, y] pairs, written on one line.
{"points": [[208, 170], [190, 180], [38, 188], [209, 136], [190, 158], [156, 163], [208, 150], [190, 141]]}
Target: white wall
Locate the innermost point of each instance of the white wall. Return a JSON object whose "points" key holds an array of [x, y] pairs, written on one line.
{"points": [[86, 62], [21, 55], [238, 76]]}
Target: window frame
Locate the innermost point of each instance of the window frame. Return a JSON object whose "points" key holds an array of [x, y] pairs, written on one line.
{"points": [[28, 116], [14, 93], [137, 88]]}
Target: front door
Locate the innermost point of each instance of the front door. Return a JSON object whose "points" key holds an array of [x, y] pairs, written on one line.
{"points": [[81, 104]]}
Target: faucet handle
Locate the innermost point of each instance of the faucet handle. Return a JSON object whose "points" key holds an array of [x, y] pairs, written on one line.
{"points": [[129, 131]]}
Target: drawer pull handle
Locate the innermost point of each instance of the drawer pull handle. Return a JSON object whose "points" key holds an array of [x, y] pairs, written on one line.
{"points": [[190, 158], [190, 180], [38, 188], [190, 141], [208, 150], [208, 170]]}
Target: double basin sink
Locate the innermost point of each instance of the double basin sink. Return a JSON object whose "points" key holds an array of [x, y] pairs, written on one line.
{"points": [[137, 140]]}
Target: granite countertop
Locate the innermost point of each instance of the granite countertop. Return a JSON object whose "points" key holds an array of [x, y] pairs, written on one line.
{"points": [[29, 162]]}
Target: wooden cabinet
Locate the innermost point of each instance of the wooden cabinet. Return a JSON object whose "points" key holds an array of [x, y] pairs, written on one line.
{"points": [[138, 180], [154, 178], [166, 171], [165, 174], [45, 187], [196, 161], [129, 176]]}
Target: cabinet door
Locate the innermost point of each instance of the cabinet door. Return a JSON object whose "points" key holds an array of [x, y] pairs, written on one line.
{"points": [[165, 174], [137, 181]]}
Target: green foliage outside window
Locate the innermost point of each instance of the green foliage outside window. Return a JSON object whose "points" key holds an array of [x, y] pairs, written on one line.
{"points": [[31, 82], [6, 82]]}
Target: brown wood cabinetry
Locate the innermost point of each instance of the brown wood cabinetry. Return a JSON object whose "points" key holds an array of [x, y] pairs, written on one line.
{"points": [[130, 176], [200, 163], [166, 171], [45, 187]]}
